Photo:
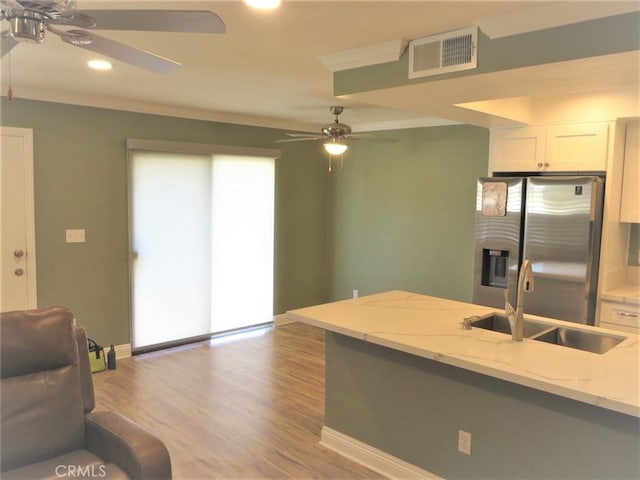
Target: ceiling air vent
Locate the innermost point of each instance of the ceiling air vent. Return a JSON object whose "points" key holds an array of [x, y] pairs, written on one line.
{"points": [[444, 53]]}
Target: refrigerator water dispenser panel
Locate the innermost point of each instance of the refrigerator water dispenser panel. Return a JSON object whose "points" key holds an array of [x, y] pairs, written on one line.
{"points": [[495, 265]]}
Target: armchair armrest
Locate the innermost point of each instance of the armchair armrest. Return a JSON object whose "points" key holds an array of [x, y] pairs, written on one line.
{"points": [[118, 440]]}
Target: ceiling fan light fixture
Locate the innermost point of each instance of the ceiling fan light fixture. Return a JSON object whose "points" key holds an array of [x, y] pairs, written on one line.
{"points": [[335, 147], [263, 4], [100, 65]]}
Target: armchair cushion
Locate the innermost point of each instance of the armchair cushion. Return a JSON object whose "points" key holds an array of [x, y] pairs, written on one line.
{"points": [[139, 453], [42, 407]]}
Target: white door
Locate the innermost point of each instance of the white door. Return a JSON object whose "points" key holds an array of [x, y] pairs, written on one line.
{"points": [[17, 239]]}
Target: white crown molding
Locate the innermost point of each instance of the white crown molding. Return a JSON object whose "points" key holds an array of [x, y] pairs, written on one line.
{"points": [[555, 14], [135, 106], [127, 105], [402, 124], [385, 52]]}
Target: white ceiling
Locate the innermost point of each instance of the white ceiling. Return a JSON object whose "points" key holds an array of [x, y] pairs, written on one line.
{"points": [[266, 70]]}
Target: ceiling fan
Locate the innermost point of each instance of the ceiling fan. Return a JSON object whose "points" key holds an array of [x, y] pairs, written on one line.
{"points": [[29, 19], [335, 134]]}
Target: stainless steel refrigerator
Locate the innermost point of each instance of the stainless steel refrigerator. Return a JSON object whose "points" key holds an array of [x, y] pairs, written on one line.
{"points": [[556, 223]]}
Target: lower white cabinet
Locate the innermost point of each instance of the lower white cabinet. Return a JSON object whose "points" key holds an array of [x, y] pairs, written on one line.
{"points": [[620, 316]]}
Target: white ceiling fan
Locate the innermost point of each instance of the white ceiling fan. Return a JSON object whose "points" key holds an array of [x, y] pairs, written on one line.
{"points": [[29, 19]]}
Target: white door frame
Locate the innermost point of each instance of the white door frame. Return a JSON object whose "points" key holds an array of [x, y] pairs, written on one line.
{"points": [[30, 226]]}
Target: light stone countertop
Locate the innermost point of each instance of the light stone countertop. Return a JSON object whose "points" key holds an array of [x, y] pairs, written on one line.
{"points": [[429, 327], [628, 293]]}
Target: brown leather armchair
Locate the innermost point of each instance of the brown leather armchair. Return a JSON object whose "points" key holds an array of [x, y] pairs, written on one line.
{"points": [[46, 401]]}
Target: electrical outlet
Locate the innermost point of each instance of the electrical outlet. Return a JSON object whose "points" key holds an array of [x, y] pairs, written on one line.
{"points": [[355, 294], [464, 442]]}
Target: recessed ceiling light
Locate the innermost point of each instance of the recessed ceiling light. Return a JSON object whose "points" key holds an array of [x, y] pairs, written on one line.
{"points": [[263, 4], [99, 64]]}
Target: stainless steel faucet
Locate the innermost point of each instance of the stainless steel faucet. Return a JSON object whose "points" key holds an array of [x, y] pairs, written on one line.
{"points": [[515, 316]]}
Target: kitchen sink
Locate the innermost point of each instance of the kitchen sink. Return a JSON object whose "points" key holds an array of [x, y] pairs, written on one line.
{"points": [[594, 342], [580, 339], [500, 323]]}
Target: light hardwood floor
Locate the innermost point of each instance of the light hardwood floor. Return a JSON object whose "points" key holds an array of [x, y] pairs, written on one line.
{"points": [[244, 409]]}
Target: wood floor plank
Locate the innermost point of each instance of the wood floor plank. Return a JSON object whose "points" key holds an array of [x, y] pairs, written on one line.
{"points": [[246, 409]]}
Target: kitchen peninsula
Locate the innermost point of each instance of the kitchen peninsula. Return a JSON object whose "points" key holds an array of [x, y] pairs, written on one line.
{"points": [[403, 377]]}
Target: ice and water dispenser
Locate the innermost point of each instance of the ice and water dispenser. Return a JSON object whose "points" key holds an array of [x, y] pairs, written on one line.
{"points": [[495, 265]]}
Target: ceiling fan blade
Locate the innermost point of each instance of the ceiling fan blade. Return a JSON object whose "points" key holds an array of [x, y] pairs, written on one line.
{"points": [[300, 135], [299, 139], [73, 20], [187, 21], [10, 8], [6, 44], [369, 138], [122, 52]]}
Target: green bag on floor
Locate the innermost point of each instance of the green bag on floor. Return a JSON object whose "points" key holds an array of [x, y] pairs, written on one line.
{"points": [[96, 357]]}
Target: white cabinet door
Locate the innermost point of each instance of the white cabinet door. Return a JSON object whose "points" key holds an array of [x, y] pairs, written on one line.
{"points": [[558, 148], [630, 206], [517, 149], [580, 147]]}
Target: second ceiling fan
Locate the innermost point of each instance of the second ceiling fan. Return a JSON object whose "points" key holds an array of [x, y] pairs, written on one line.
{"points": [[334, 134]]}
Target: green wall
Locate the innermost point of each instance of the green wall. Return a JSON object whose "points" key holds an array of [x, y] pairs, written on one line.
{"points": [[602, 36], [398, 216], [80, 171], [412, 408], [403, 213]]}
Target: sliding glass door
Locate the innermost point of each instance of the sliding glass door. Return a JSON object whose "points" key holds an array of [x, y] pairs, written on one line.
{"points": [[242, 223], [202, 230]]}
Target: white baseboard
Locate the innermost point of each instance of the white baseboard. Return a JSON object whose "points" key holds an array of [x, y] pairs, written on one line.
{"points": [[122, 351], [282, 319], [372, 458]]}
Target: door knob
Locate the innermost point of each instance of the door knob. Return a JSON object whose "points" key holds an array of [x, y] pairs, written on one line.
{"points": [[19, 272], [18, 253]]}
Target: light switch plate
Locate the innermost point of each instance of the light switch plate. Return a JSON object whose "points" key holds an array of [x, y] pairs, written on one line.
{"points": [[75, 235], [464, 442]]}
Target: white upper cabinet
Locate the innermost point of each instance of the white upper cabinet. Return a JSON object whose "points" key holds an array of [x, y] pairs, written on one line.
{"points": [[630, 203], [577, 147], [558, 148], [516, 149]]}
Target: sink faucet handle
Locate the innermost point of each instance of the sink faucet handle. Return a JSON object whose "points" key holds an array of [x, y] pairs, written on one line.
{"points": [[508, 308], [466, 322]]}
